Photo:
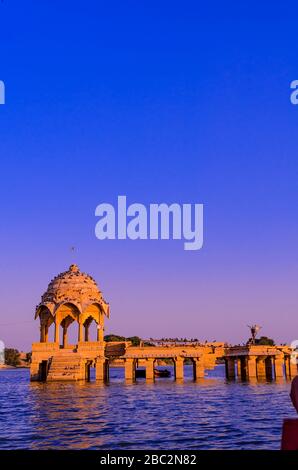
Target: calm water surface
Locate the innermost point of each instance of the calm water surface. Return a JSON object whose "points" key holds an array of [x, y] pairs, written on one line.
{"points": [[212, 414]]}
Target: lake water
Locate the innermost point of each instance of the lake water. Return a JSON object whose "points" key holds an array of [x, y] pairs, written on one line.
{"points": [[211, 414]]}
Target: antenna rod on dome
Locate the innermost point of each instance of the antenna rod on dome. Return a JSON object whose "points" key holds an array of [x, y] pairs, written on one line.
{"points": [[73, 254]]}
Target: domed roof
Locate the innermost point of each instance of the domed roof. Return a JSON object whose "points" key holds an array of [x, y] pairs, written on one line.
{"points": [[72, 286]]}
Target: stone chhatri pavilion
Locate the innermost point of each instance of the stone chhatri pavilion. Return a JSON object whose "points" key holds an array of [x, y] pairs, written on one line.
{"points": [[74, 297]]}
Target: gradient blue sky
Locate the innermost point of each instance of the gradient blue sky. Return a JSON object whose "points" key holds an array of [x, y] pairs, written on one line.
{"points": [[163, 102]]}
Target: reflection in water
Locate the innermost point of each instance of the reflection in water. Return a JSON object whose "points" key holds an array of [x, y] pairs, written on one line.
{"points": [[210, 414], [75, 412]]}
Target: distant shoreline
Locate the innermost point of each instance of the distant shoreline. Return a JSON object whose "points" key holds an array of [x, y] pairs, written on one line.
{"points": [[6, 367]]}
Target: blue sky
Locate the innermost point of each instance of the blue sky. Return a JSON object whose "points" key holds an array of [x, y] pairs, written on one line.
{"points": [[163, 103]]}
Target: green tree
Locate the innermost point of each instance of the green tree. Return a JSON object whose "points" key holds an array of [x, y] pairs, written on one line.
{"points": [[112, 337], [135, 340], [28, 357], [12, 357], [265, 341]]}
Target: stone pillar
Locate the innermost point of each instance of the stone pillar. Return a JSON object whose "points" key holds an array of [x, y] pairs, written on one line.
{"points": [[64, 336], [261, 369], [293, 368], [101, 369], [230, 367], [287, 367], [130, 370], [82, 370], [279, 367], [269, 368], [179, 368], [57, 325], [150, 369], [198, 368], [87, 332], [226, 367], [107, 370], [46, 333], [252, 367], [244, 368], [80, 335], [34, 372], [238, 366], [42, 333], [99, 333], [87, 371], [290, 367]]}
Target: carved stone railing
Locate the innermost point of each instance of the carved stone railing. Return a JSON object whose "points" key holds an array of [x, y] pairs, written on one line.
{"points": [[45, 347]]}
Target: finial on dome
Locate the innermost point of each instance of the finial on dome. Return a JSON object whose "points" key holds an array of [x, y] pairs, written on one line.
{"points": [[74, 268]]}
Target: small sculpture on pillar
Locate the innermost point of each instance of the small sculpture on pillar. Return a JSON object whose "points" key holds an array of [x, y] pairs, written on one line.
{"points": [[254, 329]]}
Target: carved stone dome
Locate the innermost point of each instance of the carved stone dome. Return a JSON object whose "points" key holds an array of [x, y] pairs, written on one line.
{"points": [[72, 286]]}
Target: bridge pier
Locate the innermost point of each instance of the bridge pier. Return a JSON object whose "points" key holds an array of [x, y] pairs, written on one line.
{"points": [[293, 369], [198, 369], [287, 363], [269, 368], [261, 368], [150, 369], [279, 367], [35, 372], [130, 370], [290, 368], [260, 362], [252, 367], [179, 368], [102, 369], [244, 368], [230, 368], [239, 368]]}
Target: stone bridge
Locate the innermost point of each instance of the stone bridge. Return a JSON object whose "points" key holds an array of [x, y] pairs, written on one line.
{"points": [[260, 362], [74, 298], [51, 362]]}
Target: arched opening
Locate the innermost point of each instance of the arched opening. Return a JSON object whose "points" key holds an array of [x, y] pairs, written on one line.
{"points": [[92, 321], [190, 371], [68, 332], [151, 368], [116, 370], [164, 368], [90, 329], [241, 368], [51, 332], [67, 323], [93, 328], [46, 321], [140, 372], [90, 371]]}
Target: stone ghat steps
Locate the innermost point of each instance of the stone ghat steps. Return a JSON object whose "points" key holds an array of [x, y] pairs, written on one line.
{"points": [[74, 359], [66, 352], [63, 377], [65, 367]]}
